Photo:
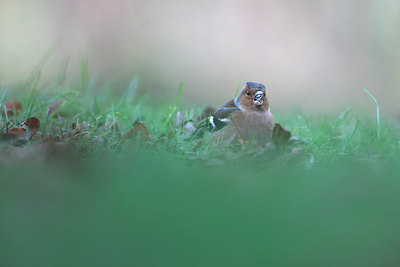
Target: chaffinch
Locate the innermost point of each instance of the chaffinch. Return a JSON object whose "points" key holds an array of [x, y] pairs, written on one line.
{"points": [[245, 118]]}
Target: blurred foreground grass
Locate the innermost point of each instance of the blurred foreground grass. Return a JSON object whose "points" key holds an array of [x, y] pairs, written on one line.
{"points": [[169, 202], [141, 211]]}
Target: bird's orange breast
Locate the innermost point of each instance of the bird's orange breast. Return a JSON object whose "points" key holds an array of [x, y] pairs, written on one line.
{"points": [[254, 125]]}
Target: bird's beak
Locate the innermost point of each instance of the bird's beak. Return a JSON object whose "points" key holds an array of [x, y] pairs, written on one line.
{"points": [[259, 98]]}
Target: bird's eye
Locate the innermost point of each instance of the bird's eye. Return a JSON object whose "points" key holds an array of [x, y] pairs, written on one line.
{"points": [[248, 93]]}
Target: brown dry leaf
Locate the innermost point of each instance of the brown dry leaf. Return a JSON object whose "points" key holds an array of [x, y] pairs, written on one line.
{"points": [[139, 129], [33, 125], [13, 134], [280, 135], [12, 105]]}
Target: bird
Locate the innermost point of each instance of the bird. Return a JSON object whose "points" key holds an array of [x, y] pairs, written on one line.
{"points": [[247, 118]]}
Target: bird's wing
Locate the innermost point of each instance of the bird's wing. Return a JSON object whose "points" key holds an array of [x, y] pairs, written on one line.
{"points": [[223, 115], [218, 120], [226, 111]]}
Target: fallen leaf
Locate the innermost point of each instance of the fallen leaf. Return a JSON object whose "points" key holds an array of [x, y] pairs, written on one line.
{"points": [[188, 129], [33, 125], [142, 129], [139, 129], [280, 135], [11, 106], [13, 134]]}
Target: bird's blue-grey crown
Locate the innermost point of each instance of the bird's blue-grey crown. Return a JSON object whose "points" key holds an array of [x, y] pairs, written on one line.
{"points": [[255, 86]]}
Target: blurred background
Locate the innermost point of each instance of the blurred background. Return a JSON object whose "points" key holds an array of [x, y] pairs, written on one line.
{"points": [[312, 54]]}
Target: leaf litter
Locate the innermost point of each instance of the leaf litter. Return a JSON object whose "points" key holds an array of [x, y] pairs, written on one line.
{"points": [[27, 136]]}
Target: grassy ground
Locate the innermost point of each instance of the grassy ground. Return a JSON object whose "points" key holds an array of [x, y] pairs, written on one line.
{"points": [[100, 197]]}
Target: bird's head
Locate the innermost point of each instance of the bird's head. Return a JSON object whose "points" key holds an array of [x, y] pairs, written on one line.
{"points": [[253, 97]]}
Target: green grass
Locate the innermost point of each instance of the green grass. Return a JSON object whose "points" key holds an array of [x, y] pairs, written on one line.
{"points": [[170, 202]]}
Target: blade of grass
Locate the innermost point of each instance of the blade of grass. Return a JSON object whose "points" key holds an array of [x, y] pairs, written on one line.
{"points": [[377, 113], [237, 89], [130, 92], [5, 112], [179, 96], [3, 97], [43, 60], [173, 109], [32, 95], [62, 76], [355, 128], [84, 75]]}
